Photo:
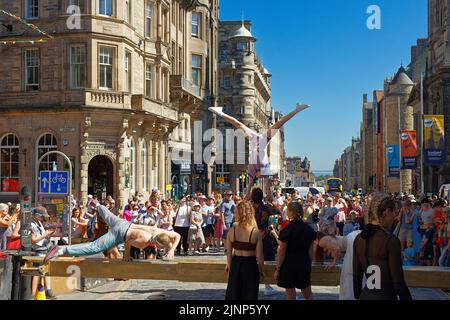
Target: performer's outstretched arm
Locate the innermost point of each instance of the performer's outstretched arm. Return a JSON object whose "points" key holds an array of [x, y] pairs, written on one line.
{"points": [[249, 133], [280, 123]]}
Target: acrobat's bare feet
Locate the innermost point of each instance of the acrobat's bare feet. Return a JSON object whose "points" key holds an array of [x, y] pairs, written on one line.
{"points": [[216, 110], [300, 107]]}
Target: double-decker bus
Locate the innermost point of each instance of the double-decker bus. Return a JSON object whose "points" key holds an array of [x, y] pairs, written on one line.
{"points": [[334, 185]]}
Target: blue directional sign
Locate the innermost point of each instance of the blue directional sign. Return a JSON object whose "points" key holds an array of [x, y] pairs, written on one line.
{"points": [[44, 181], [54, 182]]}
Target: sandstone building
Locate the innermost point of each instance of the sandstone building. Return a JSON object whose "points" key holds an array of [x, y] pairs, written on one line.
{"points": [[116, 95], [245, 94]]}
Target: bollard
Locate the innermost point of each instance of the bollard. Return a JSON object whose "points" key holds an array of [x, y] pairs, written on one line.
{"points": [[21, 285], [25, 288], [6, 267], [15, 290], [83, 284]]}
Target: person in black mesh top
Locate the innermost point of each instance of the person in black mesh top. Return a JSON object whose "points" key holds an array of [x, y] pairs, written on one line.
{"points": [[377, 249]]}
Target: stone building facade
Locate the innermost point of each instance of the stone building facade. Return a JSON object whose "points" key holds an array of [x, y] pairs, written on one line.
{"points": [[299, 172], [380, 125], [367, 146], [350, 166], [417, 72], [109, 94], [244, 94], [437, 85], [378, 141], [397, 91]]}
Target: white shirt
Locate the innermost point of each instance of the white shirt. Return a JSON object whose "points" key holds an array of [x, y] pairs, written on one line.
{"points": [[426, 215], [346, 279], [38, 229], [258, 149], [149, 218], [279, 201], [183, 217]]}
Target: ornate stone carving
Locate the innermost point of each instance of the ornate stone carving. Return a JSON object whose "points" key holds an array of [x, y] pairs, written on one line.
{"points": [[85, 135], [90, 154]]}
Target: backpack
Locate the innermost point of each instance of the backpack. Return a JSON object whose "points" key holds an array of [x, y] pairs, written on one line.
{"points": [[91, 227]]}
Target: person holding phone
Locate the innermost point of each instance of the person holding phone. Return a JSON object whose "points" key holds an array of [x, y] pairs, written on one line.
{"points": [[6, 221], [40, 244]]}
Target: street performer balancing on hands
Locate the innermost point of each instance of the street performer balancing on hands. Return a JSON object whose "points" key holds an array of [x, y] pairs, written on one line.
{"points": [[120, 231], [258, 157]]}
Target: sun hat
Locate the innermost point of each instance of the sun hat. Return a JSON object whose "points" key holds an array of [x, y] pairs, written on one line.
{"points": [[41, 211]]}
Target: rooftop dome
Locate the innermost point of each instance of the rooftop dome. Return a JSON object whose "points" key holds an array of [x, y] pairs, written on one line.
{"points": [[402, 78], [243, 32]]}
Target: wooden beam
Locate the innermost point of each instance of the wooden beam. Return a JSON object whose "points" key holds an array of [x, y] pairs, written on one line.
{"points": [[211, 271]]}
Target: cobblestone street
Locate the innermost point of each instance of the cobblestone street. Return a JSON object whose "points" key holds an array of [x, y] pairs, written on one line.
{"points": [[175, 290]]}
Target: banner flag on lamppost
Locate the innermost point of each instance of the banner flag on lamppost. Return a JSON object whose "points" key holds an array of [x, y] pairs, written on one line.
{"points": [[434, 140], [409, 149], [393, 160]]}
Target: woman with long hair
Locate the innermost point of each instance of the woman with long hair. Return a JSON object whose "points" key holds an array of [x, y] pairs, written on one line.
{"points": [[79, 224], [378, 255], [337, 245], [245, 258]]}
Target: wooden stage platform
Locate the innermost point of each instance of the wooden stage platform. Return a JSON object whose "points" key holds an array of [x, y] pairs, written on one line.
{"points": [[205, 270]]}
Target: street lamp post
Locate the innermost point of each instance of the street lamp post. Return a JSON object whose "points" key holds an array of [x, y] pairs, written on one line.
{"points": [[400, 143], [422, 183]]}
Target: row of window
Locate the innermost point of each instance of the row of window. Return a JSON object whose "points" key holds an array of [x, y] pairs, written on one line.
{"points": [[106, 71], [106, 8], [9, 159], [223, 173], [144, 156]]}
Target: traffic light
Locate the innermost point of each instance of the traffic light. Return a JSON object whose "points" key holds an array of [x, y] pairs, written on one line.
{"points": [[25, 199], [25, 218]]}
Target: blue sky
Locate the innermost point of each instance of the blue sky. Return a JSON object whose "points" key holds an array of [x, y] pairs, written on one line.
{"points": [[322, 53]]}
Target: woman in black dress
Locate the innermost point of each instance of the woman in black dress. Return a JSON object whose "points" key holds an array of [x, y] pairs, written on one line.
{"points": [[377, 254], [294, 254], [245, 258]]}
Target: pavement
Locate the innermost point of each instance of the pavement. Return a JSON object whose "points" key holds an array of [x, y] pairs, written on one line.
{"points": [[176, 290]]}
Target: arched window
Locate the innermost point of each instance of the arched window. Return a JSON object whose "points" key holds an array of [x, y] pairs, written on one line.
{"points": [[132, 165], [46, 143], [9, 163], [144, 165]]}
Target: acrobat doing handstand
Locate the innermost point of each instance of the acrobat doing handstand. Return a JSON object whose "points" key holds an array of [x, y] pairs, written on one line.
{"points": [[121, 231], [259, 165]]}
